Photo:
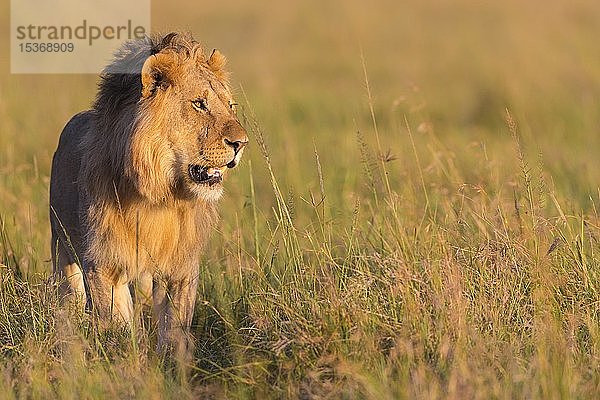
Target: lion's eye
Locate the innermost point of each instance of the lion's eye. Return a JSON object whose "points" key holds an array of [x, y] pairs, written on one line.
{"points": [[233, 106], [200, 104]]}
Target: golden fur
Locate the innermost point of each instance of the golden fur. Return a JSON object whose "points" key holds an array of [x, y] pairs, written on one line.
{"points": [[135, 182]]}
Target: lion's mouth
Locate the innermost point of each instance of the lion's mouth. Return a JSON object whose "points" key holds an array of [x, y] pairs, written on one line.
{"points": [[205, 175]]}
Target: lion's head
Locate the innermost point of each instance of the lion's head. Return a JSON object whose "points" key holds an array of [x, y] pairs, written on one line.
{"points": [[184, 135]]}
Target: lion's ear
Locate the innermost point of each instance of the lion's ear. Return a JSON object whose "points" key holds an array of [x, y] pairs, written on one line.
{"points": [[156, 73], [216, 62]]}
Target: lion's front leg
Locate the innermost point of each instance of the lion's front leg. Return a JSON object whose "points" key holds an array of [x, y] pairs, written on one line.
{"points": [[110, 298], [174, 302]]}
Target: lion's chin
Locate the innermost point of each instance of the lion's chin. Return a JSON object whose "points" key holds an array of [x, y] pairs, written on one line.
{"points": [[206, 182], [209, 194]]}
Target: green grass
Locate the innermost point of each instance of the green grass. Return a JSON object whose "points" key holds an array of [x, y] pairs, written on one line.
{"points": [[422, 227]]}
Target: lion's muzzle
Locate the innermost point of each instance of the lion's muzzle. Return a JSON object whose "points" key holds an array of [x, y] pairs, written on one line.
{"points": [[228, 154]]}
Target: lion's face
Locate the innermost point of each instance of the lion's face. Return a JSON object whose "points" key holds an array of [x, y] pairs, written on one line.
{"points": [[209, 140], [200, 130]]}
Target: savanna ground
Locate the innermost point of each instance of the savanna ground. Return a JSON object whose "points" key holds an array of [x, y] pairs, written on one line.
{"points": [[432, 233]]}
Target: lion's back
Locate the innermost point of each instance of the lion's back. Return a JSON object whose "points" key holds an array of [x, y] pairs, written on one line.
{"points": [[64, 187]]}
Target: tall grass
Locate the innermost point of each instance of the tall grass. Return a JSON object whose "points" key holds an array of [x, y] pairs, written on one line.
{"points": [[394, 231], [411, 291]]}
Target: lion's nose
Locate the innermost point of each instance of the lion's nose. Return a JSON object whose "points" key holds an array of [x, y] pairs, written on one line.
{"points": [[234, 136], [237, 145]]}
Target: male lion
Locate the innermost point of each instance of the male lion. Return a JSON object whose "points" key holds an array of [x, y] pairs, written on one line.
{"points": [[135, 182]]}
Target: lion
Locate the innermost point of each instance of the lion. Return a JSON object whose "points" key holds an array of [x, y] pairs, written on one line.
{"points": [[136, 180]]}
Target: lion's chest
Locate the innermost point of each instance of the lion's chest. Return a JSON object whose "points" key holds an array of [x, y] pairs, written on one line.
{"points": [[156, 239]]}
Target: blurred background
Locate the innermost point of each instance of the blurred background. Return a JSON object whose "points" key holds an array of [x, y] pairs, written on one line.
{"points": [[446, 69]]}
